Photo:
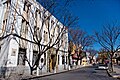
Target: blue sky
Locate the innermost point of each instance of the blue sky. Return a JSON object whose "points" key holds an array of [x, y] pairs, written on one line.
{"points": [[93, 14]]}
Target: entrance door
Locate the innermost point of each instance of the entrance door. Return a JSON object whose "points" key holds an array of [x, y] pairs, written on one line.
{"points": [[52, 62], [21, 56]]}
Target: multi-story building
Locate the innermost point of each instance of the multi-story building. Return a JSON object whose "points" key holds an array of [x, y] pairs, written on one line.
{"points": [[26, 30]]}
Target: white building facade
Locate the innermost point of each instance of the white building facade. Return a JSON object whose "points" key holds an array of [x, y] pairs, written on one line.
{"points": [[23, 24]]}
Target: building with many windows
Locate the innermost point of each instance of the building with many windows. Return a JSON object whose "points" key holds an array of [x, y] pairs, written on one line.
{"points": [[27, 30]]}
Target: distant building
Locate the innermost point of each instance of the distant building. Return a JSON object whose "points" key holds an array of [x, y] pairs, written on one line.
{"points": [[13, 49], [117, 57]]}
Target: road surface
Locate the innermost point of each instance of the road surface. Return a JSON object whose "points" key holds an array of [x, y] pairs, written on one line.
{"points": [[86, 73]]}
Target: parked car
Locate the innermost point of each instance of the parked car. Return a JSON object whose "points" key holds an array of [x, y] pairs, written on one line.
{"points": [[102, 66]]}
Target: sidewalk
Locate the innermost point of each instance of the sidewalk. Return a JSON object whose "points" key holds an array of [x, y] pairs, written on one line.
{"points": [[14, 76], [116, 73], [48, 74]]}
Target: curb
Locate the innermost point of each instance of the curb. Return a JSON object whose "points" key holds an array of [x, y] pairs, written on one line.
{"points": [[109, 73], [49, 74], [117, 76]]}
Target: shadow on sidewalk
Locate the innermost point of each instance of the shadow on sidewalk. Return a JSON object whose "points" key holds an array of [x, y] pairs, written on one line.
{"points": [[115, 73]]}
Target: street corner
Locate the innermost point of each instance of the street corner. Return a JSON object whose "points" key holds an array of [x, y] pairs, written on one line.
{"points": [[113, 74]]}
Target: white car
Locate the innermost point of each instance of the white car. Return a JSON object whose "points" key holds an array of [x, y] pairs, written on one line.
{"points": [[102, 66]]}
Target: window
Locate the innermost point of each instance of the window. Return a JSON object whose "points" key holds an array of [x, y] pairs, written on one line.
{"points": [[4, 24], [0, 48], [62, 42], [66, 59], [21, 56], [63, 59], [24, 27], [36, 13], [35, 30], [35, 53], [51, 38], [58, 29], [42, 60], [45, 16], [52, 23], [58, 59], [25, 7], [45, 36], [46, 23]]}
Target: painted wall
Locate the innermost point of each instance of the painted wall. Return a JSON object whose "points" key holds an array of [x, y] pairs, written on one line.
{"points": [[10, 47]]}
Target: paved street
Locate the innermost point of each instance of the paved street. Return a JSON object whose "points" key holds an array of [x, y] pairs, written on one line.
{"points": [[88, 73]]}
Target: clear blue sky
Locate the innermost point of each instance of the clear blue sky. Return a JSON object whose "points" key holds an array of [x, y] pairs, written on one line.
{"points": [[95, 13]]}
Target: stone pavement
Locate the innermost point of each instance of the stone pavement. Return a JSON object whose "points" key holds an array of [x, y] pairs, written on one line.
{"points": [[116, 72]]}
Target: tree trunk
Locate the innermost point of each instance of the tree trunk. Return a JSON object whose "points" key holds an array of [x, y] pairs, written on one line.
{"points": [[77, 61], [80, 61], [31, 71], [69, 62], [111, 64]]}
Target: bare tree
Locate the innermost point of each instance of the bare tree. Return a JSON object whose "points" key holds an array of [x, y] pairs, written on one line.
{"points": [[92, 54], [81, 40], [103, 56], [70, 50], [108, 38]]}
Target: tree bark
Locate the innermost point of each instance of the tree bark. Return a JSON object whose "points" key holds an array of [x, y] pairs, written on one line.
{"points": [[31, 71], [111, 64]]}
